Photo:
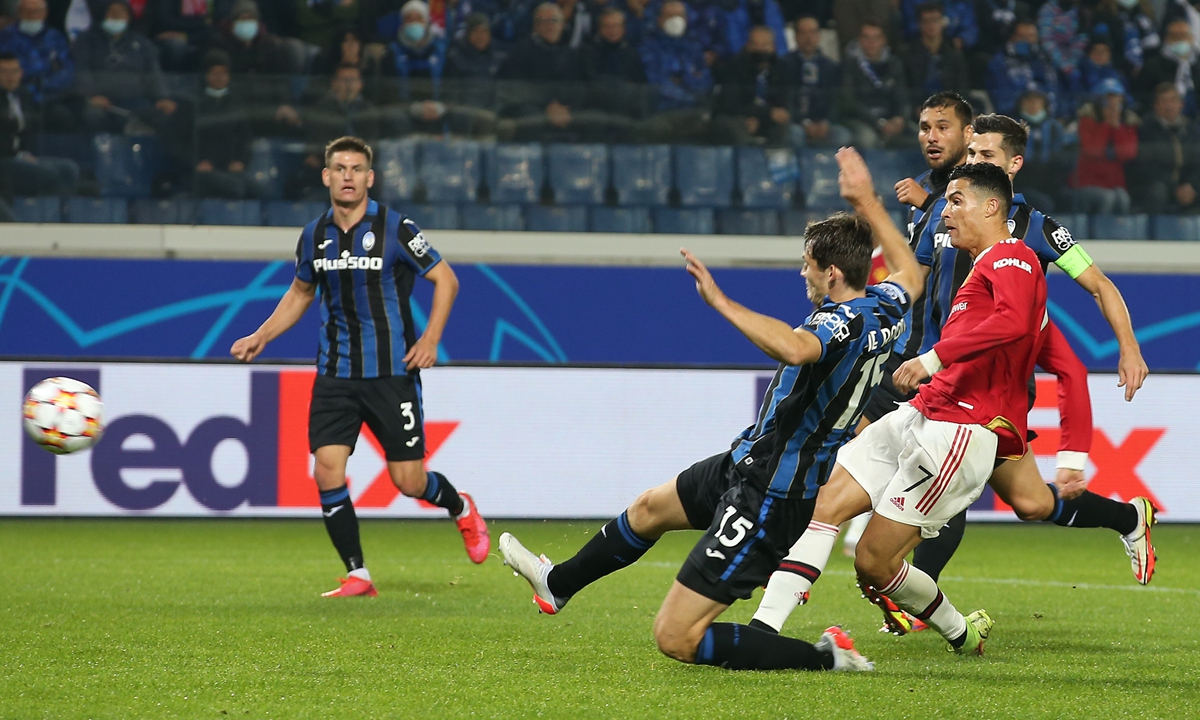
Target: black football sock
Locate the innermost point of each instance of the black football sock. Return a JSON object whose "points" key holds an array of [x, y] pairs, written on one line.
{"points": [[1090, 510], [341, 523], [741, 647], [933, 553], [440, 492], [614, 547]]}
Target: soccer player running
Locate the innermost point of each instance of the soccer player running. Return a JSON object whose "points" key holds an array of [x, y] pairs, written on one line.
{"points": [[362, 259], [756, 499]]}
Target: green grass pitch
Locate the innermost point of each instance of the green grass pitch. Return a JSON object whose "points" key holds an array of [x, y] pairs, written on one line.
{"points": [[215, 619]]}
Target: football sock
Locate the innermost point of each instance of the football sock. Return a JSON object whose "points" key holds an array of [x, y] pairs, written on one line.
{"points": [[933, 553], [614, 547], [440, 492], [916, 592], [796, 574], [1090, 510], [341, 523], [741, 647]]}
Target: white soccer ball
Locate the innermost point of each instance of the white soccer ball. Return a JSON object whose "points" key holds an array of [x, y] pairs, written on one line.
{"points": [[64, 415]]}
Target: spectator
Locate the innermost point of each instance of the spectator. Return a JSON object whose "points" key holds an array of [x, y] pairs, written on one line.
{"points": [[819, 10], [1062, 41], [1097, 67], [417, 57], [958, 16], [1128, 27], [874, 97], [472, 65], [753, 94], [1021, 67], [996, 20], [348, 48], [817, 79], [178, 27], [1166, 174], [730, 22], [317, 23], [259, 60], [222, 134], [933, 62], [19, 125], [850, 15], [1108, 139], [679, 78], [343, 111], [577, 21], [1048, 158], [615, 68], [1176, 63], [44, 55]]}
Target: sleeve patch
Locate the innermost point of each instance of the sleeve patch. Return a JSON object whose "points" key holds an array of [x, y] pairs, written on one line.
{"points": [[1060, 237]]}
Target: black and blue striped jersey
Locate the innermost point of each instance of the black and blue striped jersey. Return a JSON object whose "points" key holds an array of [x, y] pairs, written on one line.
{"points": [[809, 411], [918, 219], [364, 278]]}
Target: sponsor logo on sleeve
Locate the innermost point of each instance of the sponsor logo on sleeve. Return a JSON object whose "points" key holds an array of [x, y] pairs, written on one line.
{"points": [[1061, 237], [1012, 262], [418, 245]]}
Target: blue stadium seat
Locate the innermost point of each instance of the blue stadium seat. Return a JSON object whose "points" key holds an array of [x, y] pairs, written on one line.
{"points": [[732, 221], [540, 218], [44, 209], [687, 221], [67, 145], [819, 180], [620, 220], [284, 213], [704, 176], [434, 217], [1176, 227], [641, 174], [795, 221], [1120, 227], [230, 212], [450, 171], [97, 210], [164, 212], [492, 217], [755, 183], [515, 172], [265, 168], [889, 167], [124, 165], [396, 170], [578, 173]]}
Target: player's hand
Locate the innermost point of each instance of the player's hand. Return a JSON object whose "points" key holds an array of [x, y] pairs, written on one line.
{"points": [[854, 179], [909, 375], [910, 192], [1070, 483], [705, 285], [1132, 372], [248, 348], [422, 355]]}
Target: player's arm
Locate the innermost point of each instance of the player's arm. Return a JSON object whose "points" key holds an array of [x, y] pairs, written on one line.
{"points": [[1074, 409], [1131, 368], [423, 353], [288, 312], [854, 182], [774, 337]]}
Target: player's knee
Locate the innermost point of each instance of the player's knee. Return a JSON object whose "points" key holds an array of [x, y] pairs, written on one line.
{"points": [[871, 566], [646, 514], [675, 642], [328, 474], [409, 478], [1032, 509]]}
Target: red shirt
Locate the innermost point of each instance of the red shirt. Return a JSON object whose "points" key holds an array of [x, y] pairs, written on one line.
{"points": [[988, 347]]}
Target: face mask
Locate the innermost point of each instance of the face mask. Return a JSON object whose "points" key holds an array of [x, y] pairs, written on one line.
{"points": [[1022, 48], [245, 30], [215, 93], [1181, 49], [114, 27], [1035, 118], [414, 32], [675, 26], [32, 27], [1128, 4]]}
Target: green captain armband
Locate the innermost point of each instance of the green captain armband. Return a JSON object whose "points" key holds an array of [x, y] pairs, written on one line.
{"points": [[1074, 261]]}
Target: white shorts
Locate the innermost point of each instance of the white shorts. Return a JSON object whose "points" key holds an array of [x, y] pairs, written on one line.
{"points": [[918, 471]]}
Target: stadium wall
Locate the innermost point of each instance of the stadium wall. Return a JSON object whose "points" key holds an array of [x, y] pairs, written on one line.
{"points": [[209, 440]]}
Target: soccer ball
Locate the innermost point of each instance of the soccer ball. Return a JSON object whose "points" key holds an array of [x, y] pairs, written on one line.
{"points": [[64, 415]]}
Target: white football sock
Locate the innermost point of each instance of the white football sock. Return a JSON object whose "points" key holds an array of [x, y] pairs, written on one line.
{"points": [[913, 590], [796, 574], [361, 574], [466, 509]]}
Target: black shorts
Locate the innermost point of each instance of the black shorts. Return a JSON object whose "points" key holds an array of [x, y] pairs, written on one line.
{"points": [[886, 398], [390, 406], [748, 533]]}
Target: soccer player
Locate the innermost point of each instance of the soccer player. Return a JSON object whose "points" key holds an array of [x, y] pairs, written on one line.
{"points": [[362, 259], [756, 499]]}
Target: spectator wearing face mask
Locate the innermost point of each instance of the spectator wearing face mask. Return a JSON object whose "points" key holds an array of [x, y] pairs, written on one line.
{"points": [[1177, 62], [679, 78], [261, 61], [1108, 139], [1129, 30], [1021, 67], [1049, 159], [417, 58], [996, 19], [222, 135], [43, 52]]}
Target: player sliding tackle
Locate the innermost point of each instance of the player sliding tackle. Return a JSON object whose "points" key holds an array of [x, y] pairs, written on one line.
{"points": [[756, 499]]}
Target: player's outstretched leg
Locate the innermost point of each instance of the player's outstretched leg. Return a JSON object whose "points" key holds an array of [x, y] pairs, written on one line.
{"points": [[341, 522], [411, 478], [1132, 520]]}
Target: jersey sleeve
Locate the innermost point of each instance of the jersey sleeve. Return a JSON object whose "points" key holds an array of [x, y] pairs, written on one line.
{"points": [[304, 268], [1055, 244], [831, 328], [414, 250], [923, 248], [1074, 402], [894, 297]]}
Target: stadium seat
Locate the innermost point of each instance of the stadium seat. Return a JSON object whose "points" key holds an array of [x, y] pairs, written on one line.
{"points": [[434, 216], [755, 183], [641, 174], [492, 217], [284, 213], [164, 212], [77, 147], [97, 210], [578, 173], [450, 171], [687, 221], [819, 180], [396, 170], [230, 212], [1176, 227], [704, 176], [515, 172], [540, 218], [620, 220], [265, 168], [732, 221], [889, 167], [124, 165], [1120, 227], [795, 221], [44, 209]]}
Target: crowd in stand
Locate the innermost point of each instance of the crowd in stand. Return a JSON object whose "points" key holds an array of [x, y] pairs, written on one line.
{"points": [[1107, 87]]}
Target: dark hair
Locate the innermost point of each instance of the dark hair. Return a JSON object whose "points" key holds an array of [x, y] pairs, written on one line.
{"points": [[988, 178], [1013, 135], [845, 240], [213, 58], [8, 56], [871, 22], [349, 144], [1159, 90], [608, 10], [950, 99], [928, 7]]}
